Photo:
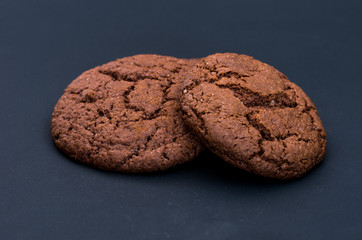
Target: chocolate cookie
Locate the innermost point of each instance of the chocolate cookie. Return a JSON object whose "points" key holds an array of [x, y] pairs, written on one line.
{"points": [[252, 116], [123, 116]]}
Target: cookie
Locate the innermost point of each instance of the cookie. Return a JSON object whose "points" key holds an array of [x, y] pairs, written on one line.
{"points": [[252, 116], [123, 116]]}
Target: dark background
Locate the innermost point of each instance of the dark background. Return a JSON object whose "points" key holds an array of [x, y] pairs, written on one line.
{"points": [[45, 44]]}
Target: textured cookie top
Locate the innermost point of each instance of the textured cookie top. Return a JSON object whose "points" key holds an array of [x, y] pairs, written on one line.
{"points": [[251, 115], [124, 116]]}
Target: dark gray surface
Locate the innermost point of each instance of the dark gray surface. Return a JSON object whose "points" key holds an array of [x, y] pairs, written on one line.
{"points": [[44, 45]]}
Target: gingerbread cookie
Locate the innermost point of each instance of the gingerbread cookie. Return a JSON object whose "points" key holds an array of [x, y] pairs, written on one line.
{"points": [[123, 116], [252, 116]]}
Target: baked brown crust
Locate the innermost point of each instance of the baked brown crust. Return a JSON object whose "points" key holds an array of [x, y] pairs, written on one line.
{"points": [[123, 116], [252, 116]]}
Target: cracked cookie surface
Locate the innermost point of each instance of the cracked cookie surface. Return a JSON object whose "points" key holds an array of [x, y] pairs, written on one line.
{"points": [[252, 116], [123, 116]]}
